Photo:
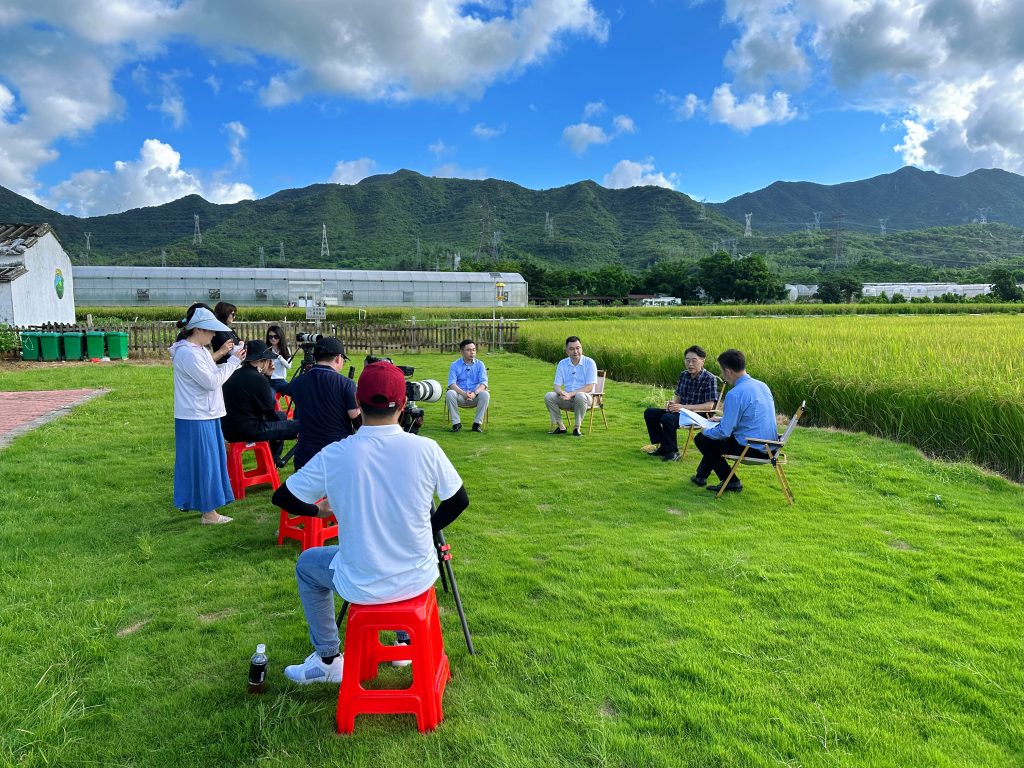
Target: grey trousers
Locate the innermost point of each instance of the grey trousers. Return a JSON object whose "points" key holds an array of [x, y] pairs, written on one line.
{"points": [[579, 404], [456, 401]]}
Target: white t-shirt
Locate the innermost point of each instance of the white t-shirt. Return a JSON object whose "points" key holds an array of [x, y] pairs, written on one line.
{"points": [[380, 483], [281, 366]]}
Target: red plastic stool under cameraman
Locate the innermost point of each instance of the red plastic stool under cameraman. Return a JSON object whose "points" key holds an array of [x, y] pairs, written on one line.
{"points": [[364, 652]]}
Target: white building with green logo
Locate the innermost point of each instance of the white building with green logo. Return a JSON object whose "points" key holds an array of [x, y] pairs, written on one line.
{"points": [[36, 286]]}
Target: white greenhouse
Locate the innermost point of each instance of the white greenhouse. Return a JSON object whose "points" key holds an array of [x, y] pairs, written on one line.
{"points": [[139, 286]]}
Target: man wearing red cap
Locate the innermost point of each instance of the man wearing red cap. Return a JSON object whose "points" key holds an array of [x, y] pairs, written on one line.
{"points": [[380, 484]]}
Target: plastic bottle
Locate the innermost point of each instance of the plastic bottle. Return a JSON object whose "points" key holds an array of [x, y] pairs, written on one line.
{"points": [[258, 670]]}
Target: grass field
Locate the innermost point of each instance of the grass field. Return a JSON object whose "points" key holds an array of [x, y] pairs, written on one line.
{"points": [[622, 616], [953, 386]]}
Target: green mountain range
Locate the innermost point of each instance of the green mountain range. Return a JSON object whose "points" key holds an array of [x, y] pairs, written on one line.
{"points": [[408, 220]]}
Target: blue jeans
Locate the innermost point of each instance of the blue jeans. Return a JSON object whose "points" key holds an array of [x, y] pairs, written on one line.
{"points": [[315, 579]]}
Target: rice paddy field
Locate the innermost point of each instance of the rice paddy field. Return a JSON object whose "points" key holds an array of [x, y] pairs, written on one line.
{"points": [[949, 385]]}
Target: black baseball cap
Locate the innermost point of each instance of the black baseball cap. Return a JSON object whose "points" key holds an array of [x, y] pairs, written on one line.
{"points": [[257, 350], [329, 345]]}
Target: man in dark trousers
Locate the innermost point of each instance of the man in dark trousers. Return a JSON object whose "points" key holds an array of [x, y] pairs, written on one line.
{"points": [[249, 401], [697, 390], [325, 401]]}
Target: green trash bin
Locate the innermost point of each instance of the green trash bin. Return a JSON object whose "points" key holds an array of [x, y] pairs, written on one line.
{"points": [[72, 345], [117, 345], [94, 344], [30, 345], [49, 345]]}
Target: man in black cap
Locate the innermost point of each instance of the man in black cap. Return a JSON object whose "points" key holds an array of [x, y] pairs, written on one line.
{"points": [[249, 402], [325, 401]]}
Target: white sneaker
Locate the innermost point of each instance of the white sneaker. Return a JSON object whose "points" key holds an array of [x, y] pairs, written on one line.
{"points": [[401, 662], [313, 670]]}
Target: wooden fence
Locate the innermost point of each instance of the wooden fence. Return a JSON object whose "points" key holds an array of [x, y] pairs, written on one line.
{"points": [[152, 338]]}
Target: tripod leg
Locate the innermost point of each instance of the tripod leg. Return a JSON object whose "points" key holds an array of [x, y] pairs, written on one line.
{"points": [[445, 561], [440, 570], [341, 613]]}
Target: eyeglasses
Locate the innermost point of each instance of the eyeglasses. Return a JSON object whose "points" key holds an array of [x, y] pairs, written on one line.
{"points": [[273, 336]]}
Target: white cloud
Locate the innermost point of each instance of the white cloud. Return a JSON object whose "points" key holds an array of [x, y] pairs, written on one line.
{"points": [[6, 100], [681, 108], [353, 171], [628, 173], [453, 171], [580, 136], [439, 149], [60, 57], [237, 133], [215, 83], [593, 109], [155, 177], [482, 131], [753, 112], [949, 71]]}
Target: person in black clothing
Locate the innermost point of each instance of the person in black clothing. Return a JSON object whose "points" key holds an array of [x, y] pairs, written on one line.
{"points": [[224, 312], [325, 401], [697, 390], [249, 402]]}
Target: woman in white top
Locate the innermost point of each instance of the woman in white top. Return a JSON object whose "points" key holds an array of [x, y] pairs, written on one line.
{"points": [[200, 460], [276, 341]]}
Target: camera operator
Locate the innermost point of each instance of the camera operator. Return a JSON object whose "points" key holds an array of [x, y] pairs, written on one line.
{"points": [[325, 401], [380, 484], [249, 402]]}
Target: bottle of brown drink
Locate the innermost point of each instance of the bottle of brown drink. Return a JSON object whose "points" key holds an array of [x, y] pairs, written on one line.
{"points": [[258, 670]]}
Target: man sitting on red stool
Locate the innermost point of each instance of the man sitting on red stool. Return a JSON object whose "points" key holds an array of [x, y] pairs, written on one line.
{"points": [[380, 484]]}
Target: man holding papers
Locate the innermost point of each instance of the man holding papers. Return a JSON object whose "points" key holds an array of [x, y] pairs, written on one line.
{"points": [[749, 411], [697, 390]]}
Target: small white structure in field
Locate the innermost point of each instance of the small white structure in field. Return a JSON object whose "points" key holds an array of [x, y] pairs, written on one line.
{"points": [[35, 277]]}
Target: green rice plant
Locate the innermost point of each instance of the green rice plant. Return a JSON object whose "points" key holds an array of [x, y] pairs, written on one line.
{"points": [[950, 385]]}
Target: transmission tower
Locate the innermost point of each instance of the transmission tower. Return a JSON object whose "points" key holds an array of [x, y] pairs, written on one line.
{"points": [[197, 236], [881, 225], [746, 230], [817, 220], [456, 260], [263, 259], [983, 215], [88, 248], [703, 209], [837, 234], [549, 225], [280, 251], [810, 229], [325, 250], [163, 257]]}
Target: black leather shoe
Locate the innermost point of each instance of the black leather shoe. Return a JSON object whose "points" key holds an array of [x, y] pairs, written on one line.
{"points": [[477, 427], [734, 485], [672, 456], [576, 432], [557, 431], [456, 428], [701, 481]]}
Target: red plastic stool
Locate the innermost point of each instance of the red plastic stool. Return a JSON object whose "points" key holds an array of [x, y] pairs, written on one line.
{"points": [[310, 531], [364, 652], [265, 471]]}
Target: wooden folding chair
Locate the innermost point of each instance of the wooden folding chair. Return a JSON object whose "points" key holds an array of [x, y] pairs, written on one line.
{"points": [[597, 401], [706, 414], [448, 416], [775, 455]]}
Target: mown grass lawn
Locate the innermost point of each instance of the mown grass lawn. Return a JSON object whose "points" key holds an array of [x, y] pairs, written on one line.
{"points": [[622, 616]]}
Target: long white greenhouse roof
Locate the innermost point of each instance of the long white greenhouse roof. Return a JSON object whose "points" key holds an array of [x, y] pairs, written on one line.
{"points": [[243, 273]]}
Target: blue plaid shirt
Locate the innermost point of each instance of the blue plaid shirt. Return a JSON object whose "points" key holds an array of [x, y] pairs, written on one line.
{"points": [[694, 391]]}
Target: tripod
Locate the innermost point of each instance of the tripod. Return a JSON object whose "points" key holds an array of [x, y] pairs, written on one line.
{"points": [[444, 565]]}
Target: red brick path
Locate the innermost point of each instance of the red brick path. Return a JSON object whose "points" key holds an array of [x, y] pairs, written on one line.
{"points": [[21, 412]]}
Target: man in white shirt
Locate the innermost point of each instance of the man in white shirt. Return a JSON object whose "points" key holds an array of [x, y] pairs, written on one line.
{"points": [[380, 484], [575, 379]]}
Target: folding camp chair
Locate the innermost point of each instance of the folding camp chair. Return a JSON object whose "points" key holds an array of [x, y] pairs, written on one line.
{"points": [[707, 414], [775, 455], [597, 401]]}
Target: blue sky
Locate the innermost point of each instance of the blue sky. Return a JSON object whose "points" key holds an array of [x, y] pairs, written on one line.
{"points": [[105, 107]]}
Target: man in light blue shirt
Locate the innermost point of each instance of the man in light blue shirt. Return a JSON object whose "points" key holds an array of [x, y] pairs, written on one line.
{"points": [[467, 387], [749, 411], [575, 379]]}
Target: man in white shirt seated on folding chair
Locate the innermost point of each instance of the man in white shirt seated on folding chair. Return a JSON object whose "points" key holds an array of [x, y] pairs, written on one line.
{"points": [[575, 380], [748, 411]]}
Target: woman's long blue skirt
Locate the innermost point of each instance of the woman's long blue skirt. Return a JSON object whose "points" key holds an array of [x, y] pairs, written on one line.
{"points": [[200, 466]]}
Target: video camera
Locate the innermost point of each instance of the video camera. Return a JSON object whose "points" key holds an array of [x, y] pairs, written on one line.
{"points": [[425, 391]]}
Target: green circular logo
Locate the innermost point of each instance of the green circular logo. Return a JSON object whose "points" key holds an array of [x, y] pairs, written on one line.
{"points": [[58, 284]]}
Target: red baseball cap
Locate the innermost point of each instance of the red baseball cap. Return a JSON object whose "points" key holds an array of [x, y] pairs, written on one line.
{"points": [[381, 385]]}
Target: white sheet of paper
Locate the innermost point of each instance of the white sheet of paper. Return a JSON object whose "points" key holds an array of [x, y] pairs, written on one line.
{"points": [[688, 417]]}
